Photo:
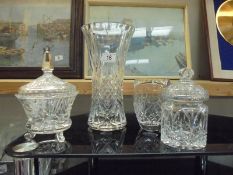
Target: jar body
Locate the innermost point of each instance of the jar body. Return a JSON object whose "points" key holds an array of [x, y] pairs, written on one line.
{"points": [[184, 124]]}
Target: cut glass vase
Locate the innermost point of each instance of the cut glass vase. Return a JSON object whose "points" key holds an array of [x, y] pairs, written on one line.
{"points": [[107, 45]]}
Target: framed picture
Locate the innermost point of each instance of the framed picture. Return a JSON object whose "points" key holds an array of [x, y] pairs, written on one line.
{"points": [[26, 27], [160, 45], [220, 51]]}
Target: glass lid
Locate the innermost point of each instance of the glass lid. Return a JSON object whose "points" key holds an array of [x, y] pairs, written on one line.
{"points": [[185, 89], [48, 83]]}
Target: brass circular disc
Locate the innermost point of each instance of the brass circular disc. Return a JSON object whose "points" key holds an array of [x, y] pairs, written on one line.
{"points": [[224, 20]]}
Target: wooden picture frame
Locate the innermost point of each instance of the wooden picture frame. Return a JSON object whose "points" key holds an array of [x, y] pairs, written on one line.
{"points": [[220, 51], [162, 62], [36, 25]]}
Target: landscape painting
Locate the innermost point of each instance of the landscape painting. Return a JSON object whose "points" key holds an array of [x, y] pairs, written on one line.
{"points": [[158, 47], [28, 26]]}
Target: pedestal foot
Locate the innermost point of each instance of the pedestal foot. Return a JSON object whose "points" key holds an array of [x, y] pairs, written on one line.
{"points": [[60, 137], [29, 136]]}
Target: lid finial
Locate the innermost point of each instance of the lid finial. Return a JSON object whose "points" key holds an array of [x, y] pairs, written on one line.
{"points": [[186, 74], [47, 64]]}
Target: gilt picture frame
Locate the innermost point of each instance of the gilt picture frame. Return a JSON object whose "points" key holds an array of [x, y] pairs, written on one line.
{"points": [[160, 45], [220, 51], [27, 27]]}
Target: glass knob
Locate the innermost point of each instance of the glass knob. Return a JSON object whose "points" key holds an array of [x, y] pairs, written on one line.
{"points": [[186, 74]]}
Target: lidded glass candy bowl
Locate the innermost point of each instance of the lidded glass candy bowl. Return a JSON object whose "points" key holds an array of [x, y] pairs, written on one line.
{"points": [[47, 102], [184, 115]]}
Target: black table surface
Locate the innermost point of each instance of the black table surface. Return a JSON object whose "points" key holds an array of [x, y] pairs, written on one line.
{"points": [[82, 142]]}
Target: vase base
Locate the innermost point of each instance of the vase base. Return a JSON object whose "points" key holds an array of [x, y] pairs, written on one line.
{"points": [[106, 126], [150, 128]]}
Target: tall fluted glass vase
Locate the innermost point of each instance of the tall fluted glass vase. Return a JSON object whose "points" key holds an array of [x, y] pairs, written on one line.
{"points": [[107, 45]]}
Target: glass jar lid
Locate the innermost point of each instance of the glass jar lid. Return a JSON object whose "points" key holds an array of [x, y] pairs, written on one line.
{"points": [[185, 89], [47, 85]]}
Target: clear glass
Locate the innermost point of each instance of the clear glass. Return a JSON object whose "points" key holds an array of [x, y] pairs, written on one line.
{"points": [[184, 115], [147, 142], [47, 102], [147, 102], [107, 142], [107, 45], [184, 125]]}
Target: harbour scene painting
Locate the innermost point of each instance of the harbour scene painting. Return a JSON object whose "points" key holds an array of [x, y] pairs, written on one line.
{"points": [[26, 27], [158, 46]]}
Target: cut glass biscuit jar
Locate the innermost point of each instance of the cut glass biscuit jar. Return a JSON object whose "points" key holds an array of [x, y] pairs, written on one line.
{"points": [[184, 115], [47, 102]]}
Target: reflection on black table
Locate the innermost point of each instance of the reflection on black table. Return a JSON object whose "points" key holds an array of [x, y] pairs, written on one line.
{"points": [[131, 142], [106, 142]]}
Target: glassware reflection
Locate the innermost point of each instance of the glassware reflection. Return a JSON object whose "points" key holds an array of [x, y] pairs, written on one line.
{"points": [[52, 146], [147, 141], [49, 166], [106, 141]]}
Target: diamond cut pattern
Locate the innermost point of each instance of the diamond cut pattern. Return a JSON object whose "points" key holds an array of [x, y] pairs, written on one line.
{"points": [[186, 127], [107, 110]]}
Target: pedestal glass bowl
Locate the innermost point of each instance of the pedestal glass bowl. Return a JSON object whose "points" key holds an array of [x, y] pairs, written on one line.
{"points": [[47, 102]]}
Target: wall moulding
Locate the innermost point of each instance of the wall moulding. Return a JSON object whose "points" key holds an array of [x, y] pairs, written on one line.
{"points": [[215, 88]]}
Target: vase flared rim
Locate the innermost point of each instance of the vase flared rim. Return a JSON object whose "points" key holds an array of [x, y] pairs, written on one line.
{"points": [[119, 23]]}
